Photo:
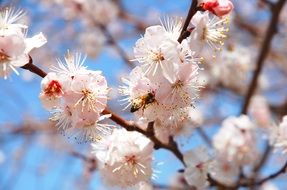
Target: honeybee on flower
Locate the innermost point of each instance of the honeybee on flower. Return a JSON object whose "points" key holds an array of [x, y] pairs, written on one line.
{"points": [[142, 101]]}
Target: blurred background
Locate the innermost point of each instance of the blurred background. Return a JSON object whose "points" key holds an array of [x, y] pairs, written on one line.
{"points": [[33, 155]]}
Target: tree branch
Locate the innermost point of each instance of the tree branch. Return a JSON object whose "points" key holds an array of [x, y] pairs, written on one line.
{"points": [[274, 175], [192, 10], [271, 31], [33, 68]]}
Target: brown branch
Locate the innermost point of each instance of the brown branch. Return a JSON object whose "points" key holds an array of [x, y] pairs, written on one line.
{"points": [[271, 31], [274, 175], [251, 183], [33, 68], [192, 10]]}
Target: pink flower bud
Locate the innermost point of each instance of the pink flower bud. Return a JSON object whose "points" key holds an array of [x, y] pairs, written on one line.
{"points": [[218, 7]]}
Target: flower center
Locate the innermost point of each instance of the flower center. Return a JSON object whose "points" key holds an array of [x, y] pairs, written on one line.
{"points": [[88, 99], [158, 57], [3, 57], [178, 84], [131, 160], [86, 93], [200, 166], [53, 88]]}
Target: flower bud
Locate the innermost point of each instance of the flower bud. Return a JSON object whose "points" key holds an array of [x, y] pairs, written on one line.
{"points": [[217, 7]]}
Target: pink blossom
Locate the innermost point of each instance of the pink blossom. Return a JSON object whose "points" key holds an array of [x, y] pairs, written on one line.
{"points": [[197, 162], [236, 140], [14, 50], [77, 97], [125, 158], [217, 7], [52, 91]]}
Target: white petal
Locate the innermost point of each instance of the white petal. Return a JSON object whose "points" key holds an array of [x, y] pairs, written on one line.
{"points": [[35, 42]]}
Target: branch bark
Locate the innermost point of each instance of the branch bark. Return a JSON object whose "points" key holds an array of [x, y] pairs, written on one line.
{"points": [[271, 31], [192, 10]]}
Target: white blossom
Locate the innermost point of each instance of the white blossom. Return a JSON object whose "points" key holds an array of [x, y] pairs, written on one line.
{"points": [[9, 21], [15, 49], [236, 140], [125, 158], [224, 171], [76, 98], [197, 162], [209, 31]]}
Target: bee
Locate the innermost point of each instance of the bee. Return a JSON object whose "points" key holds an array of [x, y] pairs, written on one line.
{"points": [[142, 101]]}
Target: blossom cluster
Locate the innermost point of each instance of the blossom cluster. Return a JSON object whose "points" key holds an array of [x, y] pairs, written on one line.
{"points": [[165, 85], [14, 45], [76, 98]]}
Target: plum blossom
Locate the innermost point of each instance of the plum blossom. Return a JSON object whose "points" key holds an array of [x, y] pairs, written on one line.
{"points": [[217, 7], [155, 50], [197, 162], [125, 158], [182, 86], [76, 98], [159, 52], [224, 171], [88, 92], [140, 95], [161, 100], [9, 21], [51, 91], [15, 49], [14, 46], [71, 66], [209, 31], [236, 140]]}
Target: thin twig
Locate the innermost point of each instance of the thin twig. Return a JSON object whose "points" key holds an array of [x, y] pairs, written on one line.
{"points": [[271, 31], [192, 10], [274, 175], [33, 68]]}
